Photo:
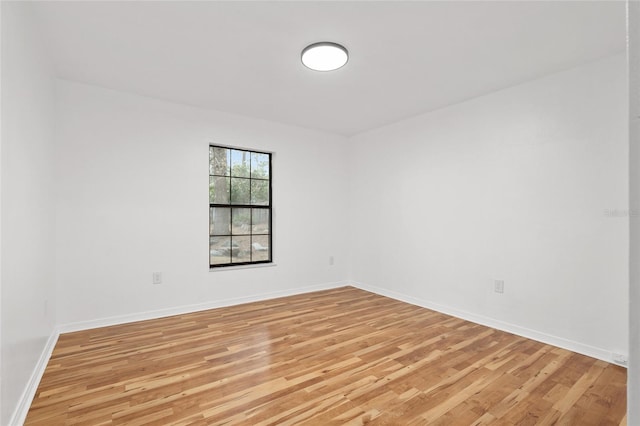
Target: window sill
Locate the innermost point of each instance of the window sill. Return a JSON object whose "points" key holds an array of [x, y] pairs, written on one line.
{"points": [[235, 268]]}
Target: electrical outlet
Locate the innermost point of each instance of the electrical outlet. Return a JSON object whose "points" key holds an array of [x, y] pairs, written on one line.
{"points": [[330, 260], [498, 286], [619, 359], [157, 277]]}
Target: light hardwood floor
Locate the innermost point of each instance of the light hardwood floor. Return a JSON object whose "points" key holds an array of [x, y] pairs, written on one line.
{"points": [[342, 356]]}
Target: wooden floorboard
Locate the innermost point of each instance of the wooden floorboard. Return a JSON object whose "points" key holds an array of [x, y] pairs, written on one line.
{"points": [[342, 356]]}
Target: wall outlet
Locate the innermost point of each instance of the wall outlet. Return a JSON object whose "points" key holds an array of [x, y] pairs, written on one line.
{"points": [[620, 359], [498, 286], [157, 277], [330, 260]]}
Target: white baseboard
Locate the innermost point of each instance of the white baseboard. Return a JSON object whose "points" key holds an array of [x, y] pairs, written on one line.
{"points": [[185, 309], [20, 413], [560, 342]]}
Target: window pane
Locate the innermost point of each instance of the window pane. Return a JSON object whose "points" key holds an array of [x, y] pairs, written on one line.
{"points": [[219, 161], [260, 192], [219, 220], [260, 221], [242, 249], [224, 247], [240, 191], [211, 160], [260, 248], [259, 165], [240, 163], [218, 252], [219, 189], [241, 221]]}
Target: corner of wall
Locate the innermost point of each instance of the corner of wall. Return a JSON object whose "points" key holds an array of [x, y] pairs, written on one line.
{"points": [[24, 403]]}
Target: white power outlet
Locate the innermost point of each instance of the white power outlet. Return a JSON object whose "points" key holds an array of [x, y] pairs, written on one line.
{"points": [[619, 359], [330, 260], [498, 286], [157, 277]]}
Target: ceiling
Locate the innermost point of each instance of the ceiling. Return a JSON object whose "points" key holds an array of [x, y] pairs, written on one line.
{"points": [[406, 58]]}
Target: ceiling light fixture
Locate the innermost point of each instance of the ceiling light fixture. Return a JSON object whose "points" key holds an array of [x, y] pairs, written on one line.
{"points": [[324, 56]]}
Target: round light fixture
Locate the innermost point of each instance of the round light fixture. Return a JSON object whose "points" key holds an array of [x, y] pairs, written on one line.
{"points": [[324, 56]]}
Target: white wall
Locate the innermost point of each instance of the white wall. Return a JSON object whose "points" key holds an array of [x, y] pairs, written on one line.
{"points": [[633, 375], [132, 179], [28, 209], [511, 186]]}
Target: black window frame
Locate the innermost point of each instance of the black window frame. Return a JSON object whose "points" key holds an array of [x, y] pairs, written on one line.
{"points": [[236, 205]]}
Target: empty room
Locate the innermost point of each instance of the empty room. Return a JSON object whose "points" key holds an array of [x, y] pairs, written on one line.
{"points": [[319, 213]]}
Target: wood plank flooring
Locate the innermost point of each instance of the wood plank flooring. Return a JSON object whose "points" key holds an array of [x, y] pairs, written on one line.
{"points": [[336, 357]]}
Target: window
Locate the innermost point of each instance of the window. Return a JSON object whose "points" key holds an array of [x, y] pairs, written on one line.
{"points": [[239, 207]]}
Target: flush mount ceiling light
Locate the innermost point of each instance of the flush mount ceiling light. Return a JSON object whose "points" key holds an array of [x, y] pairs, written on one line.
{"points": [[324, 56]]}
